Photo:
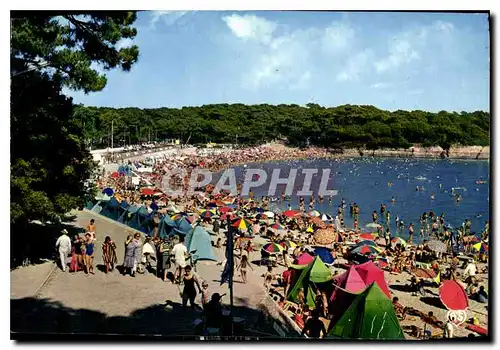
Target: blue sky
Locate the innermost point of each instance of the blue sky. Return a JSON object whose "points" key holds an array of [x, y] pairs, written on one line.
{"points": [[394, 61]]}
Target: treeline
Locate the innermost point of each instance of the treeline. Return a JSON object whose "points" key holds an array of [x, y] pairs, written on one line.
{"points": [[338, 127]]}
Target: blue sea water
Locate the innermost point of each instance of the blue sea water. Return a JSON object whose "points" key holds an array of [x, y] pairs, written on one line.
{"points": [[365, 181]]}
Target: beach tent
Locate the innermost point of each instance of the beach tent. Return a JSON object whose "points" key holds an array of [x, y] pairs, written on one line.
{"points": [[340, 300], [111, 209], [166, 226], [305, 259], [307, 277], [144, 220], [182, 226], [370, 316], [198, 239], [128, 216], [324, 254], [370, 273]]}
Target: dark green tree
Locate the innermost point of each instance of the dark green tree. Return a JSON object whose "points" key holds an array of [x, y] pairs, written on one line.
{"points": [[49, 158]]}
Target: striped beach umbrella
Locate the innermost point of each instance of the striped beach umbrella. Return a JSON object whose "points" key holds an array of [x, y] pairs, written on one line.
{"points": [[368, 236], [277, 226], [241, 224], [206, 214], [481, 247], [179, 216], [272, 248], [366, 249], [291, 213], [314, 213], [366, 242], [398, 240], [288, 244]]}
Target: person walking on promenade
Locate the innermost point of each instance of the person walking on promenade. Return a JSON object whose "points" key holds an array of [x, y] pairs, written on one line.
{"points": [[128, 262], [89, 254], [109, 254], [180, 254], [63, 244], [77, 254], [137, 253]]}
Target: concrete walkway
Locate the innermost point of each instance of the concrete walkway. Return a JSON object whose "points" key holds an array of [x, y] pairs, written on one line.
{"points": [[104, 303]]}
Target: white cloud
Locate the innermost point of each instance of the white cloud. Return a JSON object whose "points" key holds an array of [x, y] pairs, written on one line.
{"points": [[251, 27], [337, 37], [381, 85], [168, 17], [127, 42], [355, 66], [408, 45], [288, 59]]}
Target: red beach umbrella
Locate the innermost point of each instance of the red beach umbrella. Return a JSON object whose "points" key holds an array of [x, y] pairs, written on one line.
{"points": [[291, 213]]}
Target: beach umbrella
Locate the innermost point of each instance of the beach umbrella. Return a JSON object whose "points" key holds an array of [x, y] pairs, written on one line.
{"points": [[291, 213], [241, 224], [179, 216], [437, 246], [366, 236], [115, 174], [310, 229], [207, 214], [314, 213], [226, 215], [373, 224], [272, 248], [108, 191], [481, 247], [326, 217], [277, 226], [366, 242], [269, 214], [398, 240], [424, 273], [453, 295], [147, 191], [225, 209], [325, 254], [381, 262], [172, 208], [366, 249], [325, 236], [288, 244]]}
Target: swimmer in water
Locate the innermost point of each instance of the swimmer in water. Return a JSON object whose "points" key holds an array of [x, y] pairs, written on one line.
{"points": [[389, 184], [440, 185], [393, 200], [432, 196]]}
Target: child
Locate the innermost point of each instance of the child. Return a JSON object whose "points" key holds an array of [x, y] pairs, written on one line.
{"points": [[243, 267], [204, 294], [268, 278]]}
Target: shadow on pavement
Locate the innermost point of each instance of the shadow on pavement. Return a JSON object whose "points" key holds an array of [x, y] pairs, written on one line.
{"points": [[44, 316], [36, 243]]}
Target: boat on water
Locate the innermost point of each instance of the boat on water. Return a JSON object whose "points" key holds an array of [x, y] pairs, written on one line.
{"points": [[421, 178]]}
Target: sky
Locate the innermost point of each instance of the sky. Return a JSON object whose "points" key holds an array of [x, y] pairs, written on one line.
{"points": [[426, 61]]}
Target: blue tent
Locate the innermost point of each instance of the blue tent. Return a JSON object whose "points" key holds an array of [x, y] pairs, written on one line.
{"points": [[111, 209], [198, 239], [128, 215], [182, 226], [166, 226], [324, 254]]}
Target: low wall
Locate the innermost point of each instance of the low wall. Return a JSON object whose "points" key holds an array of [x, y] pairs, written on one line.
{"points": [[282, 323]]}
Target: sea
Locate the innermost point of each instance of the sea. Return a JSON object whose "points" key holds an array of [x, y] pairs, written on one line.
{"points": [[370, 182]]}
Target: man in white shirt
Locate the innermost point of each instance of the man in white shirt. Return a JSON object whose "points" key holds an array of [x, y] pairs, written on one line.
{"points": [[64, 245], [470, 270], [180, 253]]}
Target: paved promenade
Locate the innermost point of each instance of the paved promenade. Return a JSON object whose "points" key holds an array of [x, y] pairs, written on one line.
{"points": [[112, 303]]}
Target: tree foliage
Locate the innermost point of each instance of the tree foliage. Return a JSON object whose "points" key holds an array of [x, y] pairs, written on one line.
{"points": [[49, 51], [342, 126]]}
